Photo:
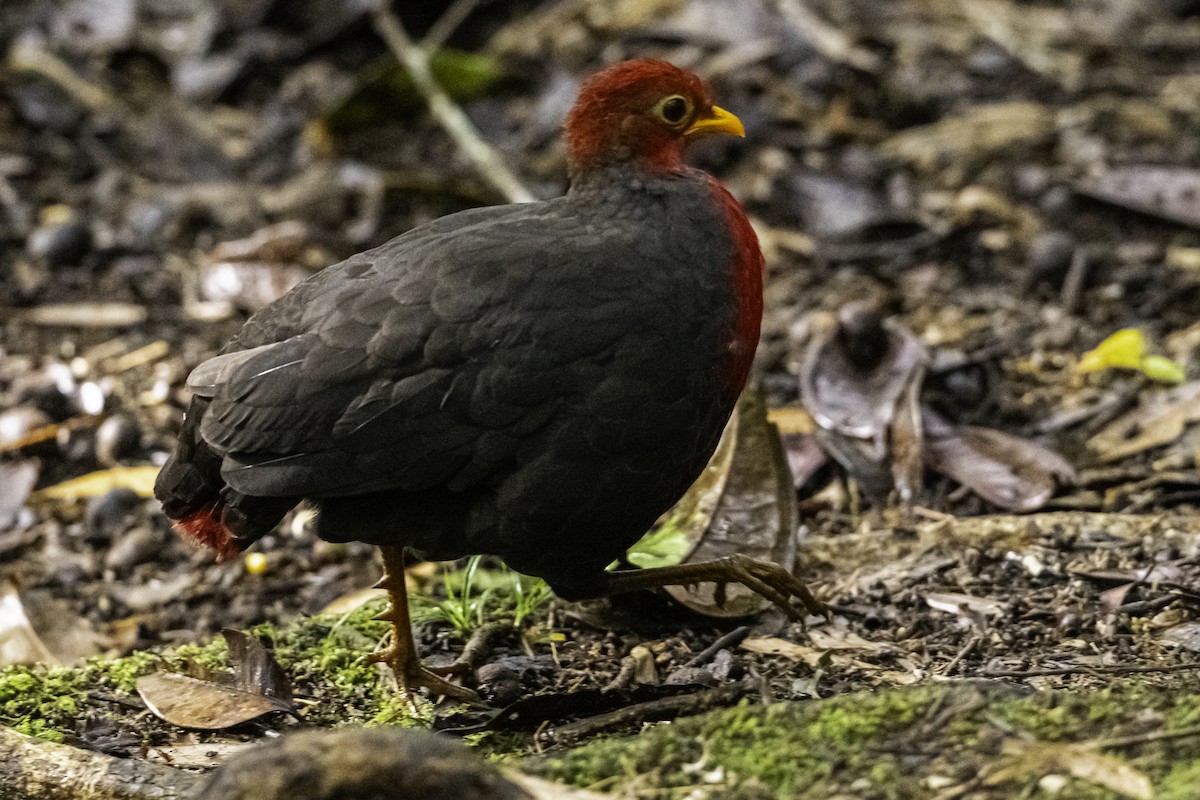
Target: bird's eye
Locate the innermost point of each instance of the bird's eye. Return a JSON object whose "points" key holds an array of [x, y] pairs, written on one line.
{"points": [[674, 109]]}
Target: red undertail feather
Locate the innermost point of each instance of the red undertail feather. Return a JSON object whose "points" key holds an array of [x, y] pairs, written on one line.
{"points": [[204, 527]]}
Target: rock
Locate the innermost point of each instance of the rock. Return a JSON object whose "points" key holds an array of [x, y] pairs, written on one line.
{"points": [[384, 764]]}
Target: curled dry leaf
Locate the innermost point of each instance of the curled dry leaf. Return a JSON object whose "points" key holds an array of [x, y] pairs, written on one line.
{"points": [[1014, 473], [744, 502], [859, 378], [755, 515], [1159, 419], [255, 669], [19, 643]]}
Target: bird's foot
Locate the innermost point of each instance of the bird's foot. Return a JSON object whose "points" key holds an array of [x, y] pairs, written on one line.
{"points": [[763, 577], [411, 674]]}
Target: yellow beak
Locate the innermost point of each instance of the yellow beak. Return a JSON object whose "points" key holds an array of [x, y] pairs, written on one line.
{"points": [[716, 121]]}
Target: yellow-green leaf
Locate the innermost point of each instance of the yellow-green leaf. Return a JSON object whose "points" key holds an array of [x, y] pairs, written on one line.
{"points": [[140, 479], [1161, 368], [1125, 348]]}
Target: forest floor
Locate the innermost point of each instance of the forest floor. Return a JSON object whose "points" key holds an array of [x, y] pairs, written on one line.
{"points": [[1006, 183]]}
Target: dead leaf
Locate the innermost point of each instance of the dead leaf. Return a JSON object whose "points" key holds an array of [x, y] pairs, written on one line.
{"points": [[19, 643], [139, 479], [954, 603], [17, 479], [258, 686], [1016, 474], [202, 705], [1185, 635], [805, 456], [349, 603], [1169, 192], [1159, 419], [814, 656], [255, 668], [754, 515], [1027, 757], [976, 133], [859, 378]]}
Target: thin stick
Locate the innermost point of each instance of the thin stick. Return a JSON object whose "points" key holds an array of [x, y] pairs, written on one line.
{"points": [[1107, 670], [449, 115], [1145, 738], [447, 23]]}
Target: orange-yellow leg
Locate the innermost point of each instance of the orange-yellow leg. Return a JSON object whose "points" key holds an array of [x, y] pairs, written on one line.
{"points": [[401, 653]]}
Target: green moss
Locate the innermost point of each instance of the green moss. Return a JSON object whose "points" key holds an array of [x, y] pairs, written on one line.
{"points": [[1180, 782], [323, 656], [787, 748], [1063, 716]]}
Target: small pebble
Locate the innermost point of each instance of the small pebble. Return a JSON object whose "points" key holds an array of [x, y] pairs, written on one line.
{"points": [[498, 683], [108, 513], [726, 666], [1058, 203], [137, 546], [117, 438], [691, 676], [17, 423], [61, 244], [1050, 255]]}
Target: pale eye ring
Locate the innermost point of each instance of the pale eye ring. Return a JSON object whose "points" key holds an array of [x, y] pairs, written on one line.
{"points": [[673, 109]]}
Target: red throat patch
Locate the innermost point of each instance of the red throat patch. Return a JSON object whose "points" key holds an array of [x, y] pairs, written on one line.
{"points": [[747, 286], [204, 527]]}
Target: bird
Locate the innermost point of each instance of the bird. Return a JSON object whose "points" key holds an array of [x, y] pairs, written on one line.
{"points": [[536, 381]]}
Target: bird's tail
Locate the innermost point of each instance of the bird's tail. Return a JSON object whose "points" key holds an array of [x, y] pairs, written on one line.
{"points": [[205, 510]]}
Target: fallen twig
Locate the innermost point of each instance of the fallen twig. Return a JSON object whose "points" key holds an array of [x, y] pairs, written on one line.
{"points": [[416, 60], [652, 710], [731, 639], [1145, 738], [1083, 668]]}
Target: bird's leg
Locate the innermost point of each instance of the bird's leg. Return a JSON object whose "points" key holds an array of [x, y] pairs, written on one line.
{"points": [[769, 580], [401, 654]]}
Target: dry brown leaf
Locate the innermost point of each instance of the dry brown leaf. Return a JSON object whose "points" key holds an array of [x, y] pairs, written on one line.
{"points": [[811, 656], [1169, 192], [1027, 757], [977, 132], [202, 705], [1159, 419], [755, 515], [859, 378], [954, 603], [19, 643], [1016, 474]]}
